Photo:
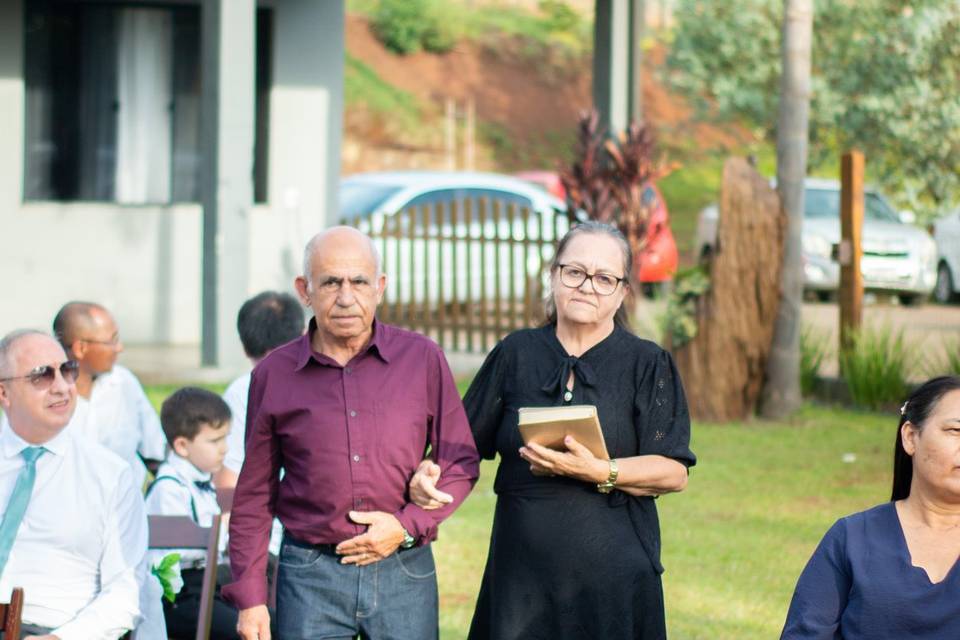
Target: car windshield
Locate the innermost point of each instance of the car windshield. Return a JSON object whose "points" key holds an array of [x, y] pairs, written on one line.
{"points": [[361, 199], [825, 203]]}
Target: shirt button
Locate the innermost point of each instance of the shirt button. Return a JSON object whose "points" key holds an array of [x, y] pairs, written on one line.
{"points": [[568, 396], [353, 414], [356, 458]]}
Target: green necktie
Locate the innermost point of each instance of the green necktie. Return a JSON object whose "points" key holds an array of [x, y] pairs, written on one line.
{"points": [[18, 502]]}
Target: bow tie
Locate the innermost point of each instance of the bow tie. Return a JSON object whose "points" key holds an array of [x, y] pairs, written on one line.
{"points": [[558, 380], [204, 485]]}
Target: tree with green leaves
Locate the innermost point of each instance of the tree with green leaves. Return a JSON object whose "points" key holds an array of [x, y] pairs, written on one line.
{"points": [[885, 79]]}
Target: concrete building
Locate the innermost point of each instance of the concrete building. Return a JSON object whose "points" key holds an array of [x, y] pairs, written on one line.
{"points": [[167, 159]]}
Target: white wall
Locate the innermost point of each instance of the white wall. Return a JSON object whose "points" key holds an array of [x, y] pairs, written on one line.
{"points": [[143, 262]]}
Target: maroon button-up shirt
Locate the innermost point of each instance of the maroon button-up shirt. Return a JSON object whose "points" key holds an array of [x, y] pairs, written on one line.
{"points": [[348, 438]]}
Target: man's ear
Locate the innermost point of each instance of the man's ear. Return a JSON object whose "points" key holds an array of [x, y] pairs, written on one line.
{"points": [[78, 350], [4, 397], [300, 284]]}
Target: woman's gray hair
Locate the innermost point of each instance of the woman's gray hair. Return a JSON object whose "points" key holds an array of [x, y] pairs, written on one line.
{"points": [[621, 318], [6, 348]]}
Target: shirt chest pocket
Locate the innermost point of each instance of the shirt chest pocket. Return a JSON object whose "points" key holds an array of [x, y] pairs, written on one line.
{"points": [[401, 433]]}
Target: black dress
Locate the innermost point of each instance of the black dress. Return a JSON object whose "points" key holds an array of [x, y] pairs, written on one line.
{"points": [[567, 562]]}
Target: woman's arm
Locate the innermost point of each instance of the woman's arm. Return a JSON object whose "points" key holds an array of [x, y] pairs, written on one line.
{"points": [[644, 475]]}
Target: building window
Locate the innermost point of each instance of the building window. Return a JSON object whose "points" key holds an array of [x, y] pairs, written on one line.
{"points": [[113, 102]]}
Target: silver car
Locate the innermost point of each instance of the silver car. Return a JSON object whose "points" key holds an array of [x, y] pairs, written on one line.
{"points": [[898, 258], [946, 232]]}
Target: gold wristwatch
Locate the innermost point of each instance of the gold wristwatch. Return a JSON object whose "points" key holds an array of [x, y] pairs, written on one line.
{"points": [[611, 481]]}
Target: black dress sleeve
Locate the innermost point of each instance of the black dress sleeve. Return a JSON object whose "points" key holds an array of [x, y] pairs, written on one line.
{"points": [[484, 401], [662, 416]]}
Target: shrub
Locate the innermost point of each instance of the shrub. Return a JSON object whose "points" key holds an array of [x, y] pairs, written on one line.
{"points": [[814, 348], [876, 368], [946, 363], [400, 24]]}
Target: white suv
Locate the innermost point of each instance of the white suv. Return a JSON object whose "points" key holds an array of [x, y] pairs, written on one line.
{"points": [[898, 258], [946, 232]]}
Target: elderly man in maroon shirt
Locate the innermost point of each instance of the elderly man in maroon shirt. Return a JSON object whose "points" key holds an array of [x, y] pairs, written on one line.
{"points": [[348, 412]]}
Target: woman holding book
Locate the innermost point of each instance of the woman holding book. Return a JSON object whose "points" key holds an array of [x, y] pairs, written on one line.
{"points": [[575, 548], [890, 572]]}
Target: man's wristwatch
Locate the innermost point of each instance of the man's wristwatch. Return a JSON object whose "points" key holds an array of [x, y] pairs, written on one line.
{"points": [[408, 540], [611, 481]]}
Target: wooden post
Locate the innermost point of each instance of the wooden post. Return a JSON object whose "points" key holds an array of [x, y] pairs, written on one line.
{"points": [[450, 137], [851, 249], [469, 136]]}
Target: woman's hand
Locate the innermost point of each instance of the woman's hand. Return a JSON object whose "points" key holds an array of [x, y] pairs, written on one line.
{"points": [[576, 462]]}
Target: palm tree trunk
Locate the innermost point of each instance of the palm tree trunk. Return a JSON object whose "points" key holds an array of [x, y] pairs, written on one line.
{"points": [[781, 393]]}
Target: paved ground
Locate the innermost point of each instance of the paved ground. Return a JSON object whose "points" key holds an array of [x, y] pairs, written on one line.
{"points": [[930, 328]]}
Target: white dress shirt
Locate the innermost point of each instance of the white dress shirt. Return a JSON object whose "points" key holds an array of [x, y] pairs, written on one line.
{"points": [[79, 552], [120, 417], [236, 398], [174, 493]]}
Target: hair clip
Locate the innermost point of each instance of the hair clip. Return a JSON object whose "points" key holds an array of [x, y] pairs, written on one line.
{"points": [[903, 409]]}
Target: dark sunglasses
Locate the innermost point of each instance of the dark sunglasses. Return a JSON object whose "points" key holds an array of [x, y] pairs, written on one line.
{"points": [[43, 377]]}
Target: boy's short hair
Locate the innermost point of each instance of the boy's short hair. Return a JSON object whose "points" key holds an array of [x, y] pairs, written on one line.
{"points": [[188, 410], [268, 320]]}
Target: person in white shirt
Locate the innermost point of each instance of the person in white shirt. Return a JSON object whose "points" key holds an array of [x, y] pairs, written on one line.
{"points": [[196, 423], [266, 321], [112, 407], [74, 530]]}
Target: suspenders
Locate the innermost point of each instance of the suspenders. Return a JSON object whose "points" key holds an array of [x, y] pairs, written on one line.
{"points": [[193, 506]]}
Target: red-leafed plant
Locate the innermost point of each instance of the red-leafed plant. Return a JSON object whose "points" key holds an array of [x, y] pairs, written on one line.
{"points": [[608, 176]]}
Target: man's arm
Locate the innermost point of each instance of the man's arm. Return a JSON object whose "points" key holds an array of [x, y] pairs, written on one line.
{"points": [[453, 451], [253, 506], [116, 608]]}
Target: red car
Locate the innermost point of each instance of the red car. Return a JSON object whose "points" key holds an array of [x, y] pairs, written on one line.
{"points": [[657, 263]]}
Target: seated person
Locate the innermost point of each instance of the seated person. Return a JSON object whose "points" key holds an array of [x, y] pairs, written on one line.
{"points": [[112, 407], [890, 572], [196, 423], [73, 532]]}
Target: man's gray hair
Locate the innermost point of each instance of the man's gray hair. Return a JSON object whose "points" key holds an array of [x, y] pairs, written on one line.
{"points": [[315, 240], [6, 348]]}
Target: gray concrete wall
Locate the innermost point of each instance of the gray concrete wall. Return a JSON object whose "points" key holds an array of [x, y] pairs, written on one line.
{"points": [[144, 262]]}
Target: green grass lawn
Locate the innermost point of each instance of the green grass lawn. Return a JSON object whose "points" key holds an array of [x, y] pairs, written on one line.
{"points": [[735, 541]]}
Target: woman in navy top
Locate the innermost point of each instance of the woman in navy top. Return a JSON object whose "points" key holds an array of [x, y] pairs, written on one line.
{"points": [[891, 572]]}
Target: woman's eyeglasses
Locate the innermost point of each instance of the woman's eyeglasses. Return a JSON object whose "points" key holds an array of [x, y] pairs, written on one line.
{"points": [[43, 377], [603, 283]]}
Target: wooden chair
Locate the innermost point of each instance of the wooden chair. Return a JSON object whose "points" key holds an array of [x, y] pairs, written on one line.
{"points": [[181, 532], [10, 615]]}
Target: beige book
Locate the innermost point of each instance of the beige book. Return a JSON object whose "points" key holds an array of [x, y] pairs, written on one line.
{"points": [[548, 426]]}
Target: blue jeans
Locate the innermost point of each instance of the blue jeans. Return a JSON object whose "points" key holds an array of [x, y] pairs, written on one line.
{"points": [[317, 597]]}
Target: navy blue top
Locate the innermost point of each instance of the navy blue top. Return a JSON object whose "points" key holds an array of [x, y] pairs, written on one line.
{"points": [[860, 584]]}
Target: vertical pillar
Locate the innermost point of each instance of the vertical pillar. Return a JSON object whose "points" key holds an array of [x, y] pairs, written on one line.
{"points": [[228, 44], [638, 23], [611, 62], [851, 247]]}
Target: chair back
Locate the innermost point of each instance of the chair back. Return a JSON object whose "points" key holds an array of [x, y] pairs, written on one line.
{"points": [[10, 614], [181, 532]]}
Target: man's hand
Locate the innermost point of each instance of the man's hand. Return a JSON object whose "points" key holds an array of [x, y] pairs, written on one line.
{"points": [[576, 462], [254, 623], [423, 487], [383, 536], [48, 636]]}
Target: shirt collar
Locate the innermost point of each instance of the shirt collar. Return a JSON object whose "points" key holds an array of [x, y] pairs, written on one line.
{"points": [[12, 444], [379, 345], [186, 470]]}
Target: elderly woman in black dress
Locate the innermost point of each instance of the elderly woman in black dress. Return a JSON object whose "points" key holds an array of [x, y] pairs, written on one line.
{"points": [[575, 549]]}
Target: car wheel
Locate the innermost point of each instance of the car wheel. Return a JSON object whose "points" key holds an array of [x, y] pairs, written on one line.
{"points": [[943, 291], [826, 296], [912, 299]]}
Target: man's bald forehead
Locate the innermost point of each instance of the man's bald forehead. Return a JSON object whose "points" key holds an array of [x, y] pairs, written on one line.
{"points": [[14, 344], [73, 318], [336, 237]]}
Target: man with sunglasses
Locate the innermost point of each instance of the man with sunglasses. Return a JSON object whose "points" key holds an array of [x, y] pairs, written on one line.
{"points": [[74, 531], [112, 407]]}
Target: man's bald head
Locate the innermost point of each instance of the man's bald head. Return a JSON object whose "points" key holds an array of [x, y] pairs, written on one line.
{"points": [[74, 320], [8, 349], [338, 237]]}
